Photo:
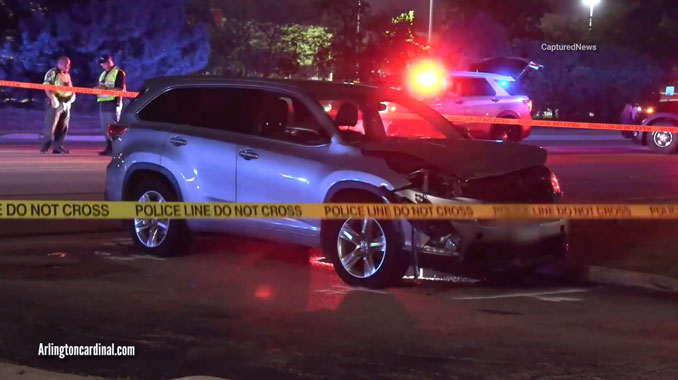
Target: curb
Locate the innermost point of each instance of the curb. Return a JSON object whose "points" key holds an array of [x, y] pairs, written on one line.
{"points": [[26, 228], [617, 277], [18, 372], [88, 136]]}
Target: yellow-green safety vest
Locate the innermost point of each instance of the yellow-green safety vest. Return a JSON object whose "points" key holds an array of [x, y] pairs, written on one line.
{"points": [[54, 77], [107, 79]]}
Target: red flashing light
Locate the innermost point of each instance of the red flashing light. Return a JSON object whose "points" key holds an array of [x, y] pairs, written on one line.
{"points": [[427, 78]]}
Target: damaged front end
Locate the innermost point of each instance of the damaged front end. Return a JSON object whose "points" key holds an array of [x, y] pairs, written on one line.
{"points": [[486, 243]]}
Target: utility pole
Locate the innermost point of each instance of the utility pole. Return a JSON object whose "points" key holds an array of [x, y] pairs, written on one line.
{"points": [[430, 22], [357, 42]]}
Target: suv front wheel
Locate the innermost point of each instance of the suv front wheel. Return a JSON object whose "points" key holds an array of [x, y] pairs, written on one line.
{"points": [[157, 237], [367, 252]]}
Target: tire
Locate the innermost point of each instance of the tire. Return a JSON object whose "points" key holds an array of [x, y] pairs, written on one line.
{"points": [[662, 142], [172, 241], [507, 133], [348, 246]]}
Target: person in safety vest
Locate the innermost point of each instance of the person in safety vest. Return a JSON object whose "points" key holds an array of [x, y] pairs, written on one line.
{"points": [[110, 107], [58, 107]]}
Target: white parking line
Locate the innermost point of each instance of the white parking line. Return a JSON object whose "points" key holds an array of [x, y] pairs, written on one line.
{"points": [[342, 289], [135, 257], [542, 296]]}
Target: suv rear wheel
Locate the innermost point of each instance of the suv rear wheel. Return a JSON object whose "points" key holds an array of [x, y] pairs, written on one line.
{"points": [[512, 133], [366, 252], [157, 237], [662, 142]]}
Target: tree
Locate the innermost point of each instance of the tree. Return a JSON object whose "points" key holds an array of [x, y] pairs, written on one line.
{"points": [[155, 42], [392, 44], [521, 18], [341, 17], [263, 39]]}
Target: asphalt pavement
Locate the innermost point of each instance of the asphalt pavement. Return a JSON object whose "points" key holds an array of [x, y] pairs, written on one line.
{"points": [[252, 310]]}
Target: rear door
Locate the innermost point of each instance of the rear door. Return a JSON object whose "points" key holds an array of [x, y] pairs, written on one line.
{"points": [[203, 145]]}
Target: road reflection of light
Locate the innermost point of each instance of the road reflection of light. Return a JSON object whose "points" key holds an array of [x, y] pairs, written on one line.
{"points": [[453, 279], [320, 262], [300, 179], [263, 291]]}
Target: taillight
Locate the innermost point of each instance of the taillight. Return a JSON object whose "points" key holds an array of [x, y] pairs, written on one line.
{"points": [[555, 184], [115, 131], [528, 103]]}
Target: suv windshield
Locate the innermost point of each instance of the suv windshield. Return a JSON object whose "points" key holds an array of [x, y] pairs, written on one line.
{"points": [[382, 118]]}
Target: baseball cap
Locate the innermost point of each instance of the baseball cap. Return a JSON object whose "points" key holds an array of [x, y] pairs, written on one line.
{"points": [[104, 58]]}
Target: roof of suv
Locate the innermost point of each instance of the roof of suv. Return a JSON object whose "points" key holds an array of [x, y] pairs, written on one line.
{"points": [[308, 86], [477, 74]]}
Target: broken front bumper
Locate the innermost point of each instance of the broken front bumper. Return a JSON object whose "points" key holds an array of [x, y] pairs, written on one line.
{"points": [[485, 244]]}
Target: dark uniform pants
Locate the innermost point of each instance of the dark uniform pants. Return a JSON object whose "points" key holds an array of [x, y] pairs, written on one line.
{"points": [[56, 125], [109, 113]]}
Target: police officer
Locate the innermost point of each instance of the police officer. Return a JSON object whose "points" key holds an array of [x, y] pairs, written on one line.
{"points": [[58, 107], [110, 107]]}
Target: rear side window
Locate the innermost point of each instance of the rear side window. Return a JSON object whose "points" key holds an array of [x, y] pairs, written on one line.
{"points": [[472, 87], [228, 109]]}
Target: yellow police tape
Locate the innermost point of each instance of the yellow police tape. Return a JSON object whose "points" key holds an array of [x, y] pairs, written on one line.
{"points": [[174, 210]]}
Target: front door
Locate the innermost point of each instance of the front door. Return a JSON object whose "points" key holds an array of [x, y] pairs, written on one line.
{"points": [[284, 163]]}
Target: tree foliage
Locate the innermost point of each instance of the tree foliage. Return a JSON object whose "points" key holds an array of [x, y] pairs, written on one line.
{"points": [[156, 41]]}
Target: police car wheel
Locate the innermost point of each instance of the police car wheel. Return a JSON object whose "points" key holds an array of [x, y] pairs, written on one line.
{"points": [[157, 237], [662, 142]]}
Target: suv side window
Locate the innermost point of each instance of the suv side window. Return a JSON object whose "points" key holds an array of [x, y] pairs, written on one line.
{"points": [[472, 87], [288, 119], [165, 108], [227, 109]]}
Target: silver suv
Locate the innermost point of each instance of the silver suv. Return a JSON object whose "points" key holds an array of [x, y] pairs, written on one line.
{"points": [[198, 139]]}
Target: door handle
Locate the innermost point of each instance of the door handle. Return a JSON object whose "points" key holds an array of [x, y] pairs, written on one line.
{"points": [[496, 100], [248, 154], [459, 101], [178, 141]]}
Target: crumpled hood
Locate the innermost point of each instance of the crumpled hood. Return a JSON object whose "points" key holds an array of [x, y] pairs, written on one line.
{"points": [[464, 158]]}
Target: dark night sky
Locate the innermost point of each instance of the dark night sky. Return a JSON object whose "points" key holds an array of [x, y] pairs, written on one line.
{"points": [[420, 6]]}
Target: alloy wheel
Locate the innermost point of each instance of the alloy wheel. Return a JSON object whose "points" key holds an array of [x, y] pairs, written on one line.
{"points": [[151, 232], [361, 246]]}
